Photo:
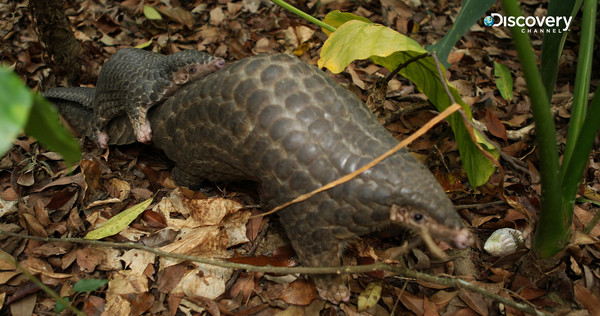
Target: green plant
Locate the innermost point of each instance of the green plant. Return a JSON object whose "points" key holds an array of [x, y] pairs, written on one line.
{"points": [[559, 182], [21, 109]]}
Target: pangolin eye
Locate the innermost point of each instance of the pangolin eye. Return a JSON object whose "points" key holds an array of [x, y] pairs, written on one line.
{"points": [[192, 70], [418, 217]]}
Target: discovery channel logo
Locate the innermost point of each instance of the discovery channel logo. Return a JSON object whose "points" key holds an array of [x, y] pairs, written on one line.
{"points": [[534, 24]]}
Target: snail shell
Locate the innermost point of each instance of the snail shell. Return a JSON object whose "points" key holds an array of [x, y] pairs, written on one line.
{"points": [[503, 241]]}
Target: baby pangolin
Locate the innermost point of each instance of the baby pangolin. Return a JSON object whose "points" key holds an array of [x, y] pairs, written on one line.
{"points": [[133, 80]]}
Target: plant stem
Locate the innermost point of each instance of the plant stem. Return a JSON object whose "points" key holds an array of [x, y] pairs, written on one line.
{"points": [[303, 15], [582, 82], [585, 142], [551, 234]]}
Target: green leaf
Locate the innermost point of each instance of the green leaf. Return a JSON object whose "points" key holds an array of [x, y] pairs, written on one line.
{"points": [[369, 297], [471, 11], [59, 306], [45, 126], [553, 42], [15, 104], [384, 46], [503, 80], [119, 222], [151, 13], [89, 285], [361, 40], [144, 45], [337, 18]]}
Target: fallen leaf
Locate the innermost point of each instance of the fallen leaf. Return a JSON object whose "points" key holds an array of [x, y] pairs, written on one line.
{"points": [[369, 296], [494, 125], [151, 13], [118, 222], [299, 292]]}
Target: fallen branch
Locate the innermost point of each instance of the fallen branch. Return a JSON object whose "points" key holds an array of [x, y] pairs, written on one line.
{"points": [[402, 271]]}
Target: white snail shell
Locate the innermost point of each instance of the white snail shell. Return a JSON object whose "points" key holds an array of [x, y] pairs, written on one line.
{"points": [[503, 241]]}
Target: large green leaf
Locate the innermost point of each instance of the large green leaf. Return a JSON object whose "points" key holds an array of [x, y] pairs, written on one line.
{"points": [[471, 11], [357, 39], [337, 18], [44, 125], [15, 104], [360, 40]]}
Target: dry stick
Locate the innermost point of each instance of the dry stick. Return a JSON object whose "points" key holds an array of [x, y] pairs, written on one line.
{"points": [[403, 271], [451, 109]]}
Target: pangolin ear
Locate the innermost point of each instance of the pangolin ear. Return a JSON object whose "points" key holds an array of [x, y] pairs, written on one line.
{"points": [[181, 78], [398, 214]]}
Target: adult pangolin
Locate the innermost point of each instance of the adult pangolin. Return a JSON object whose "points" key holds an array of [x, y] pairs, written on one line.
{"points": [[280, 122], [133, 80]]}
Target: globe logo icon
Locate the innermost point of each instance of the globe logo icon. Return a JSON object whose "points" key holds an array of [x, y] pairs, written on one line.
{"points": [[488, 21]]}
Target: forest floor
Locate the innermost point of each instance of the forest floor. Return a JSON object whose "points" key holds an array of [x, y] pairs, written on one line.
{"points": [[41, 196]]}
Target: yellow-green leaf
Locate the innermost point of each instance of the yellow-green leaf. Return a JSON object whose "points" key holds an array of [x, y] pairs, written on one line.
{"points": [[360, 40], [369, 297], [336, 19], [119, 222], [151, 13], [504, 81], [144, 45]]}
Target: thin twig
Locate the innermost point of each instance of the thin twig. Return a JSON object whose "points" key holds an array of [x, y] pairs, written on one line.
{"points": [[403, 271], [480, 205]]}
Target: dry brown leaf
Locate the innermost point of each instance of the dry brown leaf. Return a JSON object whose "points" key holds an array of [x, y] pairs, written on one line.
{"points": [[499, 275], [304, 33], [41, 214], [299, 292], [27, 179], [179, 14], [169, 277], [494, 125], [23, 306], [137, 260], [9, 194], [475, 301], [531, 293], [411, 301], [430, 308], [216, 16], [74, 179], [5, 276], [33, 225], [587, 298], [244, 285], [88, 258]]}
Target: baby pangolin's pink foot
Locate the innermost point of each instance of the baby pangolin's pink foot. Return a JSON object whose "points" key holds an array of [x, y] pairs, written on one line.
{"points": [[102, 139], [143, 132]]}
